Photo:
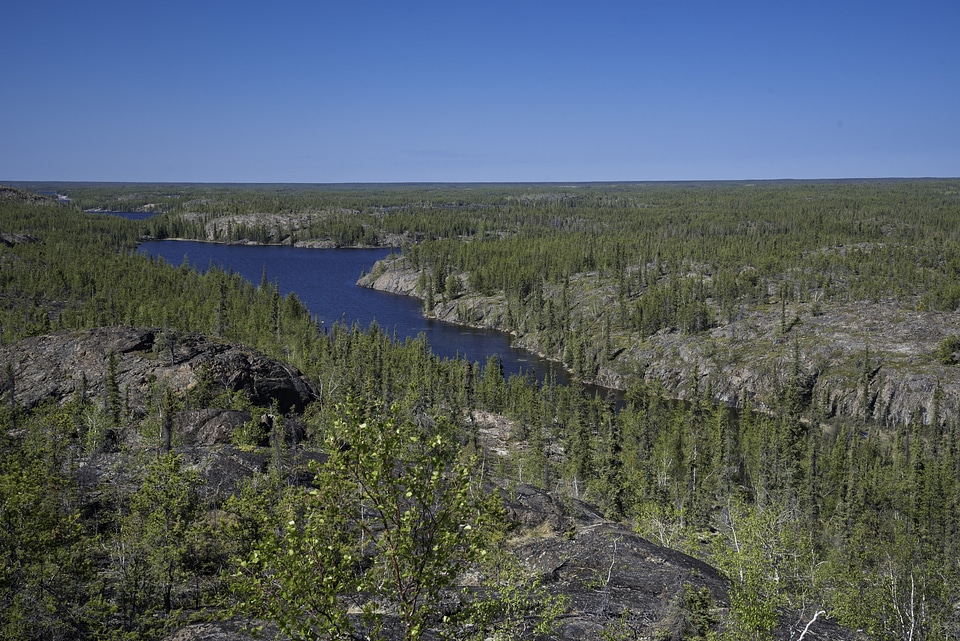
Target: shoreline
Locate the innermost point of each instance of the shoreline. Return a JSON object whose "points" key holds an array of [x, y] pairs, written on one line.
{"points": [[253, 243]]}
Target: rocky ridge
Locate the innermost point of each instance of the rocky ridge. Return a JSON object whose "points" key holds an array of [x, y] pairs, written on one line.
{"points": [[55, 367], [864, 360], [21, 195], [10, 240], [280, 229]]}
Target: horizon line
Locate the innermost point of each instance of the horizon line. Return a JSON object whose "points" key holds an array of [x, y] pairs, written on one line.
{"points": [[484, 182]]}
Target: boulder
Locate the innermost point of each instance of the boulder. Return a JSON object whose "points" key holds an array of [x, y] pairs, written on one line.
{"points": [[208, 426]]}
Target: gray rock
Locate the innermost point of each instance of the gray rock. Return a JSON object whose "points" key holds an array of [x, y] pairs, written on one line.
{"points": [[54, 367], [611, 576], [860, 359], [17, 239], [394, 276], [225, 631], [208, 426]]}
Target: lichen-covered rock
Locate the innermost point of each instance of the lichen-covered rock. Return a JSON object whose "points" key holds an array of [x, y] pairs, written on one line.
{"points": [[10, 240]]}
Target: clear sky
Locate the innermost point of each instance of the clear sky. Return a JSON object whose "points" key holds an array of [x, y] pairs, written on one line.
{"points": [[457, 91]]}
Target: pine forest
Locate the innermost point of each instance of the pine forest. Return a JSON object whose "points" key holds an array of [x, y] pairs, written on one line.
{"points": [[774, 390]]}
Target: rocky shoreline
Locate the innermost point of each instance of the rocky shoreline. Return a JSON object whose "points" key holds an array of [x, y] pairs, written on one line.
{"points": [[872, 361]]}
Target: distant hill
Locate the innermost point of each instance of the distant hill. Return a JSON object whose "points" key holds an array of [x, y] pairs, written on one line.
{"points": [[19, 195]]}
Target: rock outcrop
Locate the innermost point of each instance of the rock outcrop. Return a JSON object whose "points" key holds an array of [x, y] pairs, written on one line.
{"points": [[872, 361], [863, 360], [392, 276], [17, 239], [56, 367], [607, 573]]}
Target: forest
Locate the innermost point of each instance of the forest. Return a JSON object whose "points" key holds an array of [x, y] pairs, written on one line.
{"points": [[802, 509]]}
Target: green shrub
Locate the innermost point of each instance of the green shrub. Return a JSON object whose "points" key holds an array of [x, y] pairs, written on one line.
{"points": [[946, 352]]}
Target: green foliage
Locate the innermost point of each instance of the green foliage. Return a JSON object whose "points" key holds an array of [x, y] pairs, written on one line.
{"points": [[153, 547], [47, 580], [509, 604], [690, 616], [391, 525], [251, 513], [752, 553], [620, 630], [855, 520], [947, 349], [252, 433]]}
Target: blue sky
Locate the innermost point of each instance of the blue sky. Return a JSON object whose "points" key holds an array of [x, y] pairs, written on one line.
{"points": [[369, 91]]}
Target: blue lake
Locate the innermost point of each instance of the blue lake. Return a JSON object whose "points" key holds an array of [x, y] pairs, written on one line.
{"points": [[325, 281], [129, 215]]}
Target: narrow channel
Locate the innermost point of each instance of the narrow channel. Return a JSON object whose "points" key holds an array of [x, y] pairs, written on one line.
{"points": [[325, 281]]}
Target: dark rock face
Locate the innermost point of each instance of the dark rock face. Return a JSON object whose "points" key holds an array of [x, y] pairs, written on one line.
{"points": [[57, 366], [604, 569], [613, 577], [261, 380], [16, 239], [222, 468]]}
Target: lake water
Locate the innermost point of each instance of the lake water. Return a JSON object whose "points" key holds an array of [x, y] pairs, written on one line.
{"points": [[325, 281], [129, 215]]}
